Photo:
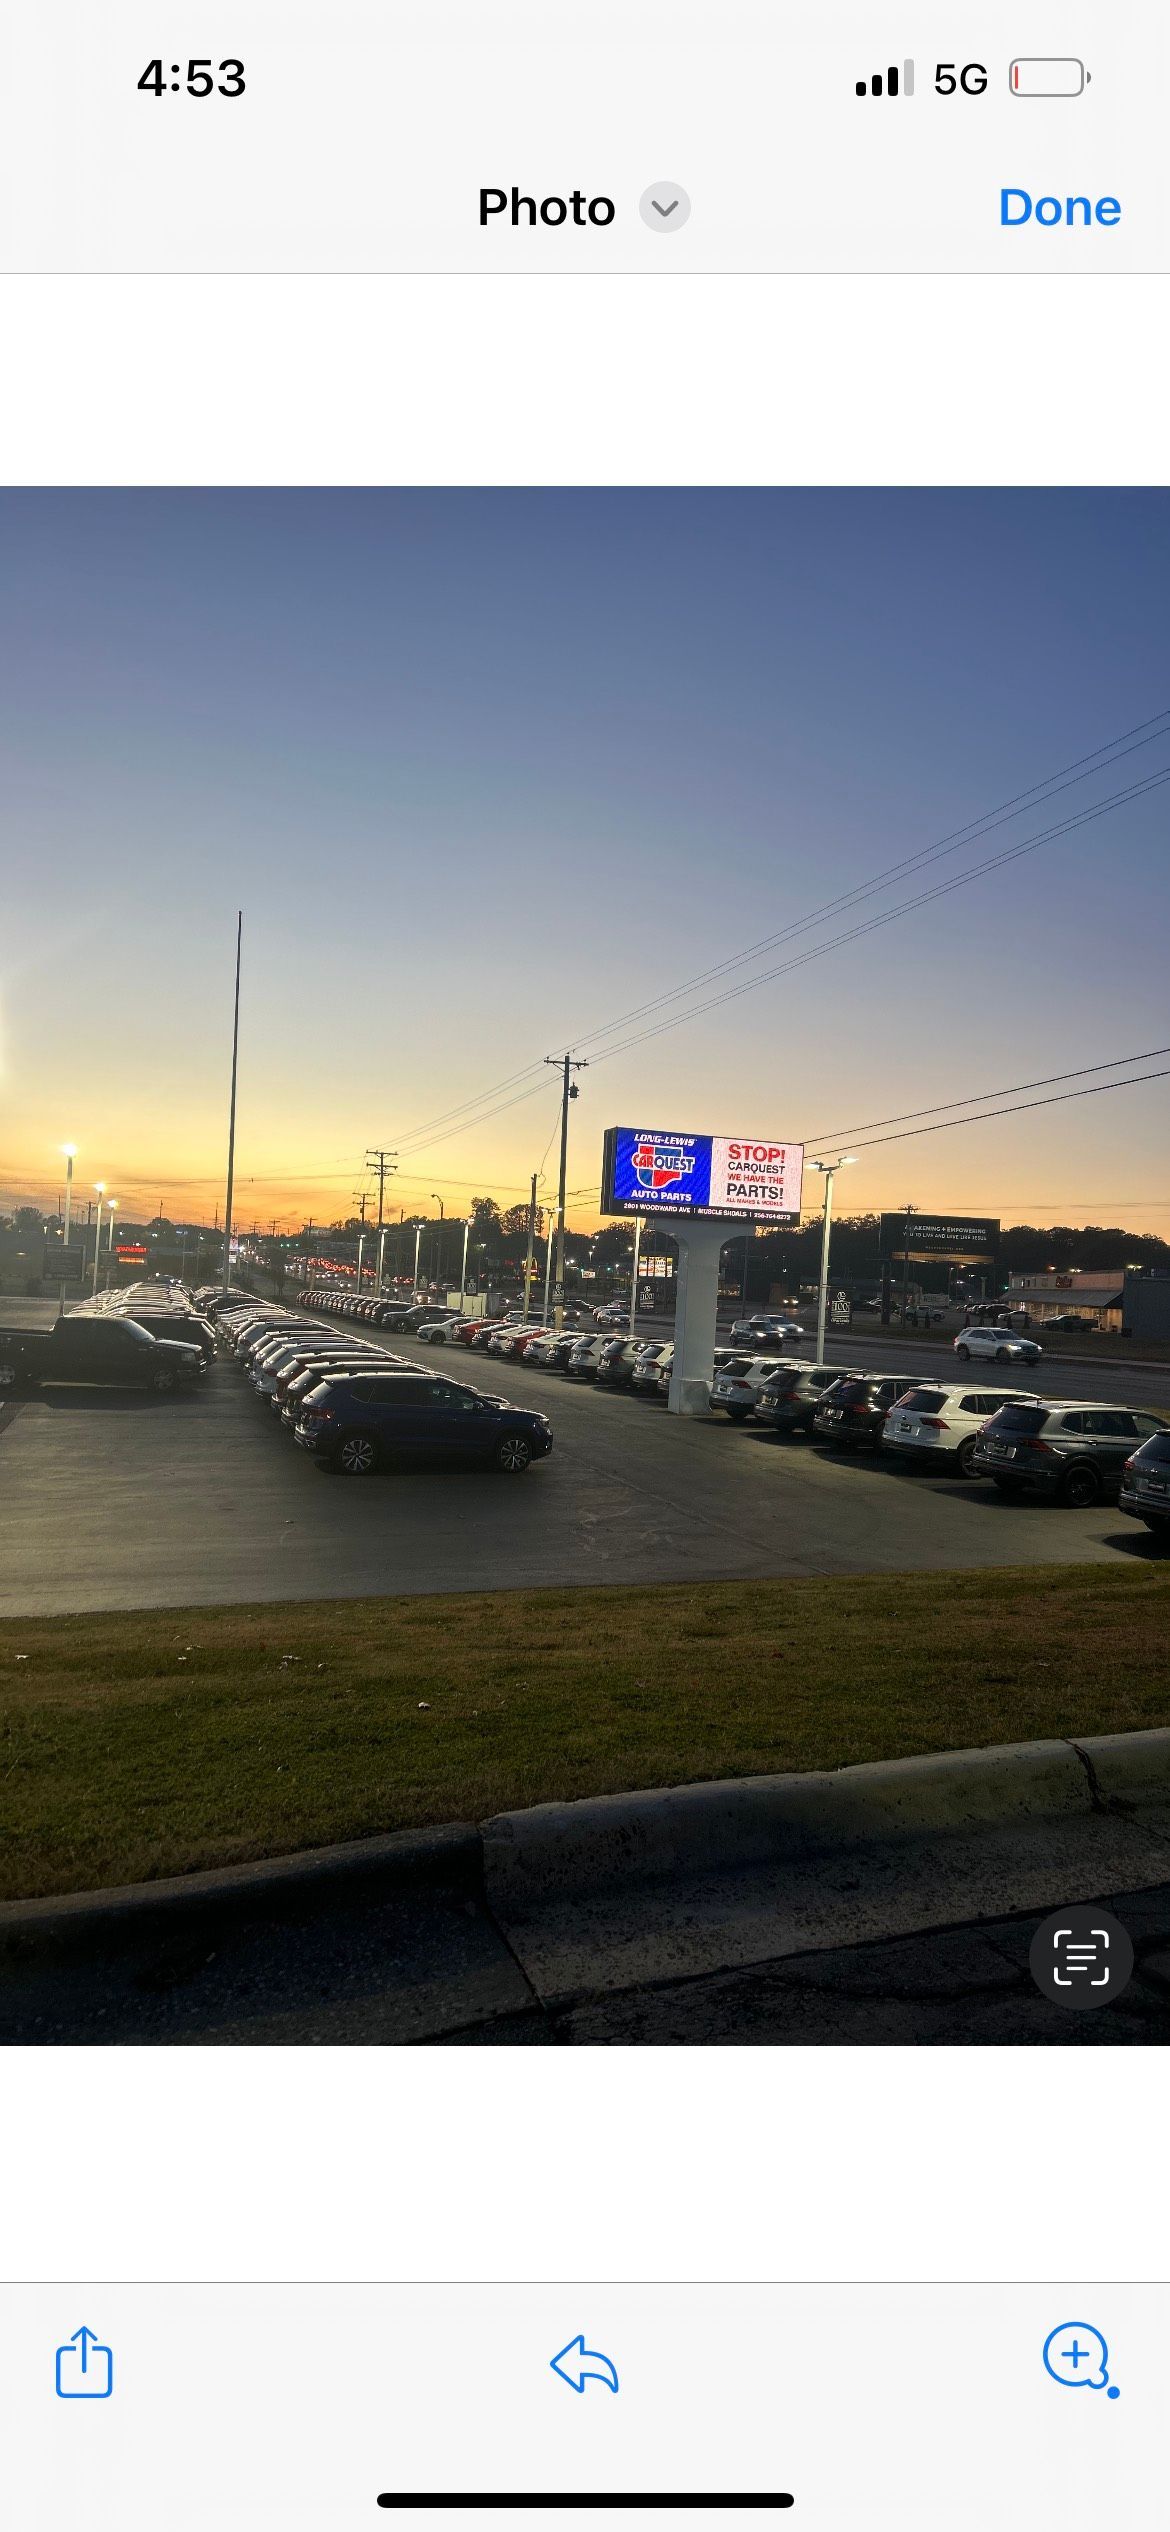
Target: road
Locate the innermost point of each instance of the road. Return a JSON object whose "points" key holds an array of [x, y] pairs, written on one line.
{"points": [[117, 1502]]}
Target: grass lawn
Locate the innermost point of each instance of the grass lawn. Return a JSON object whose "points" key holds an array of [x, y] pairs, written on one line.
{"points": [[133, 1746]]}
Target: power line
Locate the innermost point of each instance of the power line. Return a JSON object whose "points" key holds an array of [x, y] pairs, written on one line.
{"points": [[1111, 752], [1079, 769], [876, 922], [836, 1133], [947, 1124]]}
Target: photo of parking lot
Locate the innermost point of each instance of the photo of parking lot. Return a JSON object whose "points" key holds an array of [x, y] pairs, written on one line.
{"points": [[512, 1531]]}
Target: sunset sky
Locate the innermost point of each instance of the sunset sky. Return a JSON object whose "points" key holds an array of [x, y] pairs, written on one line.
{"points": [[487, 771]]}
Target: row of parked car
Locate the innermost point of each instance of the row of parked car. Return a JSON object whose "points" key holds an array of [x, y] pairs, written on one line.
{"points": [[353, 1407], [1078, 1451]]}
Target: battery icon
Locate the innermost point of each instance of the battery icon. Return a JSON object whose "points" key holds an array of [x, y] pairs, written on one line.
{"points": [[1053, 75]]}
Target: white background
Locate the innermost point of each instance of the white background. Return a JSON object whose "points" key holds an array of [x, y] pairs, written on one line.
{"points": [[451, 2163]]}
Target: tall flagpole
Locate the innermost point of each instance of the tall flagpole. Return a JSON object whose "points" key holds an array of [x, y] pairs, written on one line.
{"points": [[231, 1167]]}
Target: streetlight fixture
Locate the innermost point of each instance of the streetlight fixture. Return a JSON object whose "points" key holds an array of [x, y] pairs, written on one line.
{"points": [[99, 1189], [828, 1170]]}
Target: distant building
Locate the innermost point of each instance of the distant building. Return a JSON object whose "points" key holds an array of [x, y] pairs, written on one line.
{"points": [[1090, 1292], [1145, 1306]]}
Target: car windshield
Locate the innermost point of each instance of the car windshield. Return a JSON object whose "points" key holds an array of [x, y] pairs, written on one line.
{"points": [[1157, 1448], [1018, 1420], [924, 1401], [141, 1336], [843, 1392]]}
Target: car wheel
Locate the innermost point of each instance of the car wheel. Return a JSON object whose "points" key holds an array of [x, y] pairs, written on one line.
{"points": [[163, 1380], [738, 1415], [513, 1454], [965, 1456], [355, 1457], [964, 1353], [1080, 1487], [1002, 1355], [7, 1375]]}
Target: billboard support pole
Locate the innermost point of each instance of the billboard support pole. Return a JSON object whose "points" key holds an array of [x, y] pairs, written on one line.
{"points": [[700, 1247], [634, 1276]]}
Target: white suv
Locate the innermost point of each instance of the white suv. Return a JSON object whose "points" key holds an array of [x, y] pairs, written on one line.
{"points": [[995, 1345], [738, 1382], [944, 1421]]}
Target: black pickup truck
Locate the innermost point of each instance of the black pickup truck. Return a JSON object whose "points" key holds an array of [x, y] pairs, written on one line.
{"points": [[97, 1351]]}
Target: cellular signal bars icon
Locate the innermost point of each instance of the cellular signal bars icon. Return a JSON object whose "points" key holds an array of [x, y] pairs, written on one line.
{"points": [[890, 83]]}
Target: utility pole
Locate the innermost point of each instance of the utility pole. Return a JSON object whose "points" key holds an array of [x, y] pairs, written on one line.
{"points": [[531, 1247], [231, 1166], [568, 1091], [439, 1233], [380, 1161]]}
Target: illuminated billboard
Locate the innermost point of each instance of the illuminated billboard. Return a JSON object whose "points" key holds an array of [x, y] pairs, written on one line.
{"points": [[708, 1177]]}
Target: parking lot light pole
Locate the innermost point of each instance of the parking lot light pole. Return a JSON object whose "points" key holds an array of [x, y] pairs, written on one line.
{"points": [[439, 1233], [531, 1246], [463, 1269], [111, 1208], [828, 1170], [911, 1210], [417, 1242], [69, 1150], [231, 1153], [99, 1189]]}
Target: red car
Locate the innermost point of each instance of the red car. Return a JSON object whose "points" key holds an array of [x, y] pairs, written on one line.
{"points": [[516, 1341]]}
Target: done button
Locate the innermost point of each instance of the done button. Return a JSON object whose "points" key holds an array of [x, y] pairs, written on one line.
{"points": [[1053, 211]]}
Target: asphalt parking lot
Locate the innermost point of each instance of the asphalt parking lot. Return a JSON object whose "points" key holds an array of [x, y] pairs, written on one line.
{"points": [[110, 1502]]}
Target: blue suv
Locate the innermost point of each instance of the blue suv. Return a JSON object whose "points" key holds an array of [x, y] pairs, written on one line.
{"points": [[361, 1421]]}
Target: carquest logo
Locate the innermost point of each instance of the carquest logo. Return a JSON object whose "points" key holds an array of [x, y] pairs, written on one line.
{"points": [[658, 1165]]}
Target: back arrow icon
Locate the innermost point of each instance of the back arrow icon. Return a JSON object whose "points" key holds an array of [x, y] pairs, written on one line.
{"points": [[578, 2365]]}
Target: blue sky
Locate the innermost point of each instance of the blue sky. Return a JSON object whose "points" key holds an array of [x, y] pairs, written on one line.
{"points": [[487, 769]]}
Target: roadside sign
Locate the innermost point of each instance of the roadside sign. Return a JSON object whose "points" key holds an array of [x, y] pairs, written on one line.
{"points": [[956, 1235], [841, 1309], [653, 1171], [63, 1262]]}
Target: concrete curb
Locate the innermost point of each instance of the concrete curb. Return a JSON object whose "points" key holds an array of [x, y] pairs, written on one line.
{"points": [[602, 1892], [629, 1889], [285, 1887]]}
